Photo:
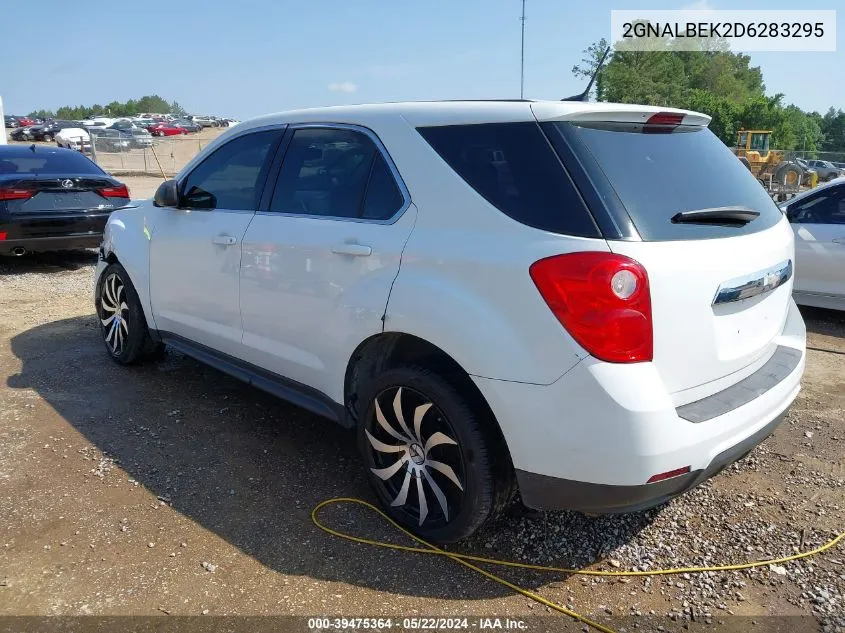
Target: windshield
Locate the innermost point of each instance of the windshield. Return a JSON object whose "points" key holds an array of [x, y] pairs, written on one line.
{"points": [[658, 175]]}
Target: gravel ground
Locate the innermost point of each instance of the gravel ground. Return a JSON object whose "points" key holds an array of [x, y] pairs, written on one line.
{"points": [[171, 488]]}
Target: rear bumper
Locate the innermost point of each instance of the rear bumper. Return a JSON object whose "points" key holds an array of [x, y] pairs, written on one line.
{"points": [[56, 243], [592, 440], [551, 493]]}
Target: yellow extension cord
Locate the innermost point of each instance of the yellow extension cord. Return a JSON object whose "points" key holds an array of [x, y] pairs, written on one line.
{"points": [[464, 559]]}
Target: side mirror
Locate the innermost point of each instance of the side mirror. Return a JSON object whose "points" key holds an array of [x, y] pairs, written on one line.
{"points": [[167, 194]]}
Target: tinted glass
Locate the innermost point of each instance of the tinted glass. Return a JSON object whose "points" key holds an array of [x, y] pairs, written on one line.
{"points": [[43, 163], [515, 169], [325, 172], [657, 175], [383, 198], [826, 207], [232, 177]]}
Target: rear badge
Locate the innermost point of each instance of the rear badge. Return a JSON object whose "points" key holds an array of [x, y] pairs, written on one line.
{"points": [[67, 183]]}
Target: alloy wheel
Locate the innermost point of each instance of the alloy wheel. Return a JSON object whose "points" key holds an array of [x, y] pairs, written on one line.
{"points": [[419, 467], [114, 313]]}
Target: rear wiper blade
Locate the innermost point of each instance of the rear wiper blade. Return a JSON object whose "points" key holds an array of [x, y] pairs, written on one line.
{"points": [[733, 216]]}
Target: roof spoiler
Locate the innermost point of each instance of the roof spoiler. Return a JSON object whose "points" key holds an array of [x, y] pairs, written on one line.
{"points": [[583, 96]]}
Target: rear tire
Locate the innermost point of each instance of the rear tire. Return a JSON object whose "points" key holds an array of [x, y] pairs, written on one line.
{"points": [[788, 175], [122, 323], [426, 440]]}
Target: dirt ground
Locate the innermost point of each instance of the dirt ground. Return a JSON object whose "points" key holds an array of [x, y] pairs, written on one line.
{"points": [[170, 488]]}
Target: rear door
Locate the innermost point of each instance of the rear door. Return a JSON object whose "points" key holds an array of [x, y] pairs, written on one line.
{"points": [[818, 221], [195, 249], [319, 261], [718, 252]]}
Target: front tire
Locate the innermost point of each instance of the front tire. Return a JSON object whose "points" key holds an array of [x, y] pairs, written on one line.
{"points": [[429, 458], [122, 323]]}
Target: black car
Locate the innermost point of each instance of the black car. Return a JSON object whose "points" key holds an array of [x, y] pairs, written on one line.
{"points": [[188, 125], [53, 199], [47, 131], [21, 133]]}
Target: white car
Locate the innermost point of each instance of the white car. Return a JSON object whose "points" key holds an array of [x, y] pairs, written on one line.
{"points": [[818, 220], [74, 138], [546, 297]]}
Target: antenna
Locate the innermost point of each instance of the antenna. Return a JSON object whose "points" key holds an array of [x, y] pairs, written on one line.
{"points": [[583, 96], [522, 55]]}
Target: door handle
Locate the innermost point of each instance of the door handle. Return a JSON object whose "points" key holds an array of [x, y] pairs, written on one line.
{"points": [[356, 250], [839, 240], [224, 240]]}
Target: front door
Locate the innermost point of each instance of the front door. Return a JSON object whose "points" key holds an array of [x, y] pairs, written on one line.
{"points": [[318, 265], [195, 249]]}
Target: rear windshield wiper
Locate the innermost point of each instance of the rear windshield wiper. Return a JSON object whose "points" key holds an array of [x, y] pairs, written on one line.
{"points": [[731, 216]]}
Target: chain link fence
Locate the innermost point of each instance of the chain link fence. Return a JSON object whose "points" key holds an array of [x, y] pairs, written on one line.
{"points": [[145, 155]]}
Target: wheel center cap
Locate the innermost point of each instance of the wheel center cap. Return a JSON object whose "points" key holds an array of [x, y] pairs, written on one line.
{"points": [[417, 454]]}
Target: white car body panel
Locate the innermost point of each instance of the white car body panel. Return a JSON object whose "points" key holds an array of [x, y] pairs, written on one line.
{"points": [[616, 424], [331, 301], [717, 340]]}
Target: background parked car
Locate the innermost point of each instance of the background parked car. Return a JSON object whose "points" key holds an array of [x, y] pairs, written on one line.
{"points": [[818, 221], [202, 120], [826, 169], [141, 138], [166, 129], [21, 134], [24, 121], [10, 121], [53, 199], [74, 138], [189, 125], [110, 140], [47, 131]]}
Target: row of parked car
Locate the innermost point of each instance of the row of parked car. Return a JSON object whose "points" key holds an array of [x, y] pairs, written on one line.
{"points": [[111, 135]]}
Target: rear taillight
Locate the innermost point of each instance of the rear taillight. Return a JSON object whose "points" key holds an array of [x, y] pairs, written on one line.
{"points": [[16, 194], [665, 118], [114, 192], [3, 235], [603, 301]]}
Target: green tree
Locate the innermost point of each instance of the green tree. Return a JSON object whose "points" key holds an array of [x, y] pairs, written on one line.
{"points": [[589, 62]]}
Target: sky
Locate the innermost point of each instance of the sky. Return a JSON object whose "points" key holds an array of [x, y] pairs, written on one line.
{"points": [[243, 59]]}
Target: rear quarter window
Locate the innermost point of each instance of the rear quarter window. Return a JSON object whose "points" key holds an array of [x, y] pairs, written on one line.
{"points": [[658, 173], [514, 168]]}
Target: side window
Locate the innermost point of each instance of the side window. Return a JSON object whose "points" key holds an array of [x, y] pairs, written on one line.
{"points": [[826, 207], [334, 172], [515, 169], [232, 177], [383, 198]]}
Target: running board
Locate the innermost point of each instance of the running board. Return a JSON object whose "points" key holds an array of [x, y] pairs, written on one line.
{"points": [[296, 393]]}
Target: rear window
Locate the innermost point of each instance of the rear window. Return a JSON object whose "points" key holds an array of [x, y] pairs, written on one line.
{"points": [[515, 169], [657, 175], [60, 162]]}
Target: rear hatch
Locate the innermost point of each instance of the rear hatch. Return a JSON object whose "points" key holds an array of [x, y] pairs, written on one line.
{"points": [[717, 250]]}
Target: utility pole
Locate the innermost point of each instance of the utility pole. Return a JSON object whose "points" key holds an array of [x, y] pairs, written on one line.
{"points": [[522, 56], [2, 129]]}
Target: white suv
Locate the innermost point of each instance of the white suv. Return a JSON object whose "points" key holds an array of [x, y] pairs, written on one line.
{"points": [[587, 303]]}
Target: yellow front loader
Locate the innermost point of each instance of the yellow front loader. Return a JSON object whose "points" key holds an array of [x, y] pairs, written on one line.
{"points": [[769, 166]]}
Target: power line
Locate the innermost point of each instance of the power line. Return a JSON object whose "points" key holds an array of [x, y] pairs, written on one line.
{"points": [[522, 56]]}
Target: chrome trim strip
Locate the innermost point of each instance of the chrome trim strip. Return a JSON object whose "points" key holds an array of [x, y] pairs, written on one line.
{"points": [[755, 284]]}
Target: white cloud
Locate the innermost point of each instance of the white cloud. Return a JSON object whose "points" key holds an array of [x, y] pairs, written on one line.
{"points": [[344, 86], [699, 5]]}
